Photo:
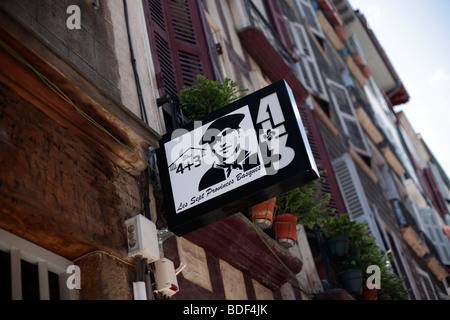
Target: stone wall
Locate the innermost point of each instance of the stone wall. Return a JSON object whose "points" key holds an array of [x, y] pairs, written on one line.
{"points": [[90, 49]]}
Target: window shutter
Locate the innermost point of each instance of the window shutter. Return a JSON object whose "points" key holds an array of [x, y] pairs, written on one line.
{"points": [[352, 128], [178, 43], [309, 14], [428, 287], [354, 198], [321, 157], [434, 231], [307, 69], [276, 18]]}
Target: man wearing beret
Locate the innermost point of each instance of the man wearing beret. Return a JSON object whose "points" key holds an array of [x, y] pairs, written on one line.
{"points": [[225, 138]]}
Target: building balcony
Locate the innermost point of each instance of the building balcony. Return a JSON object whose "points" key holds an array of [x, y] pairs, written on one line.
{"points": [[264, 45]]}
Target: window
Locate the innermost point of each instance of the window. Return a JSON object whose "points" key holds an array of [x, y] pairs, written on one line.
{"points": [[427, 285], [306, 68], [321, 157], [348, 118], [309, 15], [29, 272], [354, 197], [178, 44], [277, 20], [433, 229]]}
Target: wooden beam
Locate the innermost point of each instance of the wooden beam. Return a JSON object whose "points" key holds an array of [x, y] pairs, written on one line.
{"points": [[414, 241], [86, 95], [329, 31], [363, 165], [323, 117], [355, 70], [391, 158], [436, 268], [368, 126]]}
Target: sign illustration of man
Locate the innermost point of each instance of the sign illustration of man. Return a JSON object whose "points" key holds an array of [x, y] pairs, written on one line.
{"points": [[227, 142]]}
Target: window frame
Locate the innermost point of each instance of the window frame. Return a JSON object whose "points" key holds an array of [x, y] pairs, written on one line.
{"points": [[349, 116], [301, 5], [307, 69], [23, 250]]}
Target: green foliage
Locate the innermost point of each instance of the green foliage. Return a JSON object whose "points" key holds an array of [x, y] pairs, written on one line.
{"points": [[208, 96], [307, 203], [342, 224], [370, 254]]}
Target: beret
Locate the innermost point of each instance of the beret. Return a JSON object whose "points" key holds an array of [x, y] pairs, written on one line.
{"points": [[230, 121]]}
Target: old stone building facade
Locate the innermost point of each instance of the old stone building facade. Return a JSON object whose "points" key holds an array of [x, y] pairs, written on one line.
{"points": [[82, 109]]}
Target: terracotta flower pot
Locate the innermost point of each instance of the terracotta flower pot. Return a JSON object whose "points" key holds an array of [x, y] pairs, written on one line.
{"points": [[285, 229], [358, 59], [366, 71], [369, 294], [326, 6], [262, 214], [340, 32]]}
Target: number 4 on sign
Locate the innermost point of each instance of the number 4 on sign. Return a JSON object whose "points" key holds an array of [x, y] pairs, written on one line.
{"points": [[272, 104]]}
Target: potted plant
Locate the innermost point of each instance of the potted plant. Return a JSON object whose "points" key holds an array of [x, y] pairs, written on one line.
{"points": [[305, 205], [343, 235], [263, 213], [351, 280], [208, 96], [285, 229], [351, 270]]}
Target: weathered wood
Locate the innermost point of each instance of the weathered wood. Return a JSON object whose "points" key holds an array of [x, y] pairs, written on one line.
{"points": [[55, 189], [235, 241], [104, 109]]}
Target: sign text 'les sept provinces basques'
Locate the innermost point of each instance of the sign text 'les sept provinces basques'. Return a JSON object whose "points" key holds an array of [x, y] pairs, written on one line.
{"points": [[243, 154]]}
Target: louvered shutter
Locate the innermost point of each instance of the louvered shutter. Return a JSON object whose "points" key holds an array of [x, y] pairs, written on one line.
{"points": [[308, 13], [321, 157], [433, 229], [438, 200], [306, 68], [347, 115], [276, 18], [353, 194], [178, 43]]}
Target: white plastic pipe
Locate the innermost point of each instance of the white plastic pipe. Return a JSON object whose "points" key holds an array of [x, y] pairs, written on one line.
{"points": [[139, 290]]}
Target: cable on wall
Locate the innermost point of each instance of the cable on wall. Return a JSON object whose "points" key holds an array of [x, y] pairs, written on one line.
{"points": [[63, 96]]}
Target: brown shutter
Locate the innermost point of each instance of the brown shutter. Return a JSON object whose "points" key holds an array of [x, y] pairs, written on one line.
{"points": [[322, 158], [178, 43], [437, 198], [277, 20]]}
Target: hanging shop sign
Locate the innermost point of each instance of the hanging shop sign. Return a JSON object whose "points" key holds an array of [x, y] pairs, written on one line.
{"points": [[238, 156]]}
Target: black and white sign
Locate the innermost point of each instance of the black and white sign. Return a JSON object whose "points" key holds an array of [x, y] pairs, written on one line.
{"points": [[238, 156]]}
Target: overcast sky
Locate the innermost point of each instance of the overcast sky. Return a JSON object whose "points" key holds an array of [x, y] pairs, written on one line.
{"points": [[416, 37]]}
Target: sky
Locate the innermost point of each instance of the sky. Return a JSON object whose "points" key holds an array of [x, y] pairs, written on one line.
{"points": [[415, 34]]}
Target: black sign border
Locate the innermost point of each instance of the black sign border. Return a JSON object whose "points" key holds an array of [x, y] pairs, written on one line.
{"points": [[298, 172]]}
